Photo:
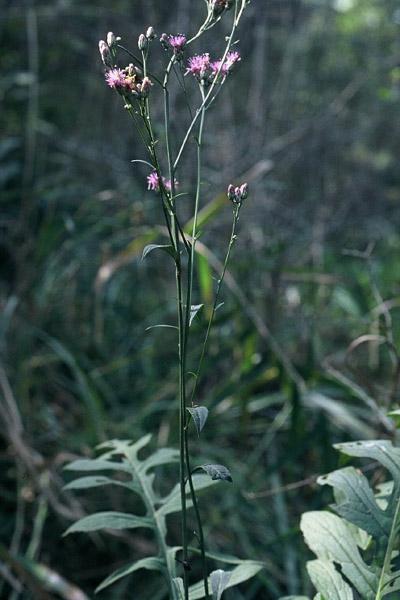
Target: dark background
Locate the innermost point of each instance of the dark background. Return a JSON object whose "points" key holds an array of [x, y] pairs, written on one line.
{"points": [[311, 118]]}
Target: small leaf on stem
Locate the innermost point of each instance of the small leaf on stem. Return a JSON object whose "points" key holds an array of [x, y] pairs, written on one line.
{"points": [[219, 581], [199, 415], [217, 472], [165, 247]]}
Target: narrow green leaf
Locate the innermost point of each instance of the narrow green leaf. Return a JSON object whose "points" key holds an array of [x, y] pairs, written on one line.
{"points": [[96, 464], [217, 472], [219, 580], [164, 247], [161, 325], [172, 502], [194, 309], [109, 520], [199, 415], [152, 563], [83, 483]]}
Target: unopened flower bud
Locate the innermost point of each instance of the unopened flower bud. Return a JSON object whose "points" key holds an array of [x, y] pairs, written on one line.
{"points": [[164, 41], [145, 86], [111, 39], [244, 191], [231, 193], [142, 42], [150, 33], [105, 54]]}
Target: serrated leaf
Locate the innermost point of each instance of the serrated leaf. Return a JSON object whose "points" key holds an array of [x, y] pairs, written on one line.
{"points": [[109, 520], [199, 415], [219, 580], [357, 503], [164, 247], [152, 563], [328, 581], [194, 309], [217, 472], [330, 538], [246, 570]]}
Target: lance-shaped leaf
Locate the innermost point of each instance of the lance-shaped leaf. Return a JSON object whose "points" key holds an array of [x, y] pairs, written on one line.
{"points": [[164, 247], [109, 520], [93, 481], [199, 415], [216, 472], [152, 563]]}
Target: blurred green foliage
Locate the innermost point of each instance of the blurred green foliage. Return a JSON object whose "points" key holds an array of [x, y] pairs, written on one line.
{"points": [[311, 118]]}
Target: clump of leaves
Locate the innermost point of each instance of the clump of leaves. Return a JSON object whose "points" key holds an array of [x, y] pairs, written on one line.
{"points": [[122, 456], [357, 544]]}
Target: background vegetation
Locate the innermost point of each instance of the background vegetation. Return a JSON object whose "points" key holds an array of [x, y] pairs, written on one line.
{"points": [[311, 120]]}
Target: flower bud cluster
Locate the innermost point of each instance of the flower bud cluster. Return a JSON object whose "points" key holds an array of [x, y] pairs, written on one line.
{"points": [[238, 194]]}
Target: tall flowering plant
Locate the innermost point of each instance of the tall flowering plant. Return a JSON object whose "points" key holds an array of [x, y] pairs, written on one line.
{"points": [[136, 84]]}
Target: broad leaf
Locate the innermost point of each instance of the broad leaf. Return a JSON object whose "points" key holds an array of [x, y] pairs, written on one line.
{"points": [[330, 538], [328, 580]]}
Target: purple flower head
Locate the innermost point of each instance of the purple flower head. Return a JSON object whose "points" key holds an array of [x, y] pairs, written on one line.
{"points": [[177, 42], [199, 65], [153, 182], [230, 60], [116, 79], [167, 184]]}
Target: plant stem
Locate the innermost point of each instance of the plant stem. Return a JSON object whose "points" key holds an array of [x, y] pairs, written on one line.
{"points": [[186, 339], [236, 211]]}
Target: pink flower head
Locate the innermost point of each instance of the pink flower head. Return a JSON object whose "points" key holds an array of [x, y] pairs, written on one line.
{"points": [[116, 79], [153, 182], [177, 42], [167, 184], [199, 65], [231, 59]]}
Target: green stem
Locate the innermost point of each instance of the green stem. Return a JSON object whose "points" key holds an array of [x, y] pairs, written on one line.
{"points": [[236, 211], [186, 340], [389, 550]]}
